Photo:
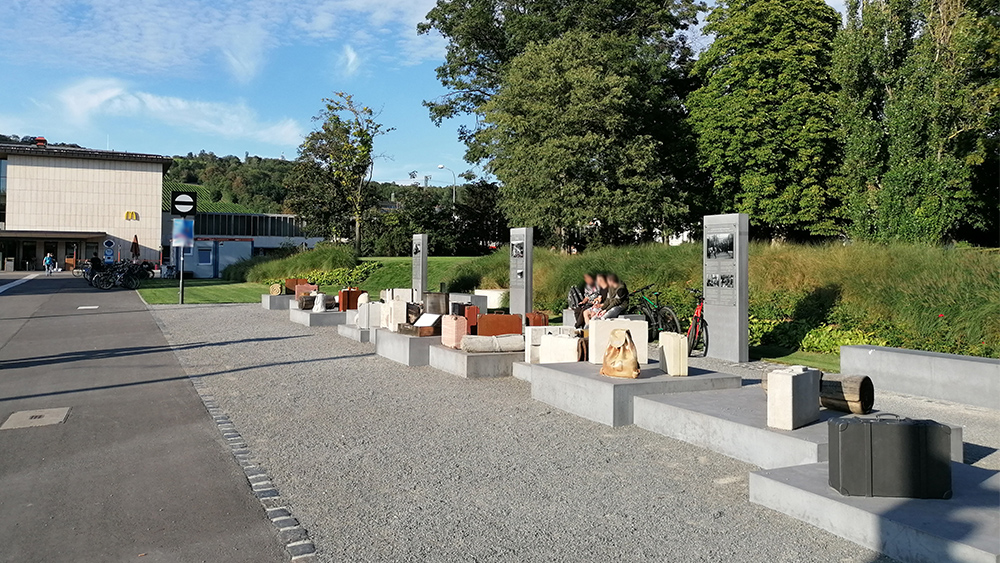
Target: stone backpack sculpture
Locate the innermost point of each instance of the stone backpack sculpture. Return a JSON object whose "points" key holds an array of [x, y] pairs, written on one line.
{"points": [[621, 358]]}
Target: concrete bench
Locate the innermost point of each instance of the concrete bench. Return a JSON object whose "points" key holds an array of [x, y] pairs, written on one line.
{"points": [[947, 377]]}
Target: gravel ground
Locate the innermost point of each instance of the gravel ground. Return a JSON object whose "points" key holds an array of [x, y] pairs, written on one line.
{"points": [[381, 462]]}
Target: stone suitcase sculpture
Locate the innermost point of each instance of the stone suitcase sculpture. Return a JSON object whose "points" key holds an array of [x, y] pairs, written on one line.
{"points": [[486, 344], [306, 302], [436, 303], [319, 305], [453, 329], [413, 312], [369, 315], [457, 308], [472, 316], [559, 348], [621, 358], [845, 393], [305, 289], [348, 299], [275, 289], [536, 319], [291, 283], [888, 456], [674, 354], [600, 331], [498, 325], [792, 397], [533, 340]]}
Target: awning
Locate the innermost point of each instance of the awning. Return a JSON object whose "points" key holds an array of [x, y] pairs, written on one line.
{"points": [[60, 235]]}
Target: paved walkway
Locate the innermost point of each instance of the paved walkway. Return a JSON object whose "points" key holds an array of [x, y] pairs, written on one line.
{"points": [[138, 472], [382, 462]]}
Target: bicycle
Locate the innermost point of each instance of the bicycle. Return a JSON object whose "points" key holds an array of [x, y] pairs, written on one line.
{"points": [[697, 332], [660, 319]]}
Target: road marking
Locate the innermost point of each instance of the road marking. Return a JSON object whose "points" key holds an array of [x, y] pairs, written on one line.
{"points": [[14, 284], [87, 307]]}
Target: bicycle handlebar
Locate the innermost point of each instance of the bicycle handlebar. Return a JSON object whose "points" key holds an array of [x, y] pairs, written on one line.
{"points": [[642, 289]]}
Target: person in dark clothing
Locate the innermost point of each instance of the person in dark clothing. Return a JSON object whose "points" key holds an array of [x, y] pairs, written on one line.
{"points": [[617, 301], [96, 265], [580, 301]]}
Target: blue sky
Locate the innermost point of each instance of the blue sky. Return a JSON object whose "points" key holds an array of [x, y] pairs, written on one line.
{"points": [[227, 76]]}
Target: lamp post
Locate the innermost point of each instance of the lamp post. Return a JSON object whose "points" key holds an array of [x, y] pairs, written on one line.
{"points": [[454, 182]]}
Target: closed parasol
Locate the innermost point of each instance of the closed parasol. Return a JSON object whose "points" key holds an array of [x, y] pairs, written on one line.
{"points": [[135, 247]]}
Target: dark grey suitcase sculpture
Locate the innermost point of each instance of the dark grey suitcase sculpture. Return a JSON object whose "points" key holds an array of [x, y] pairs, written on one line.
{"points": [[888, 456]]}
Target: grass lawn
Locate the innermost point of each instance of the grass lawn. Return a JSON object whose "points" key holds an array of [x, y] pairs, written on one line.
{"points": [[398, 271], [164, 292], [824, 362]]}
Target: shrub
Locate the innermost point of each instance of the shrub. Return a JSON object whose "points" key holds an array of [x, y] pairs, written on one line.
{"points": [[322, 259]]}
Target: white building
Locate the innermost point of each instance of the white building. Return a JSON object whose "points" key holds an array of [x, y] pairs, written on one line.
{"points": [[69, 201]]}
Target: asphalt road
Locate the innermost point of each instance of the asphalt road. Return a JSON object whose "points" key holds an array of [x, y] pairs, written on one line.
{"points": [[138, 471]]}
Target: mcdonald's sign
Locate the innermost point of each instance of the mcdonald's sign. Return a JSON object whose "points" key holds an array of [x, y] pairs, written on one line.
{"points": [[131, 216]]}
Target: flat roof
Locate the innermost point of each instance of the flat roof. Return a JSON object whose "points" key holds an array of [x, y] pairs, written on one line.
{"points": [[90, 154], [52, 234]]}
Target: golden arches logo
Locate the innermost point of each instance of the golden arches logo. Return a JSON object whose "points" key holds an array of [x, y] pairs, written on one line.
{"points": [[131, 216]]}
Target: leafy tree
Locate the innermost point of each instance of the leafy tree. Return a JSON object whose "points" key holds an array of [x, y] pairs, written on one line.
{"points": [[480, 222], [333, 170], [765, 113], [485, 36], [920, 92], [587, 133]]}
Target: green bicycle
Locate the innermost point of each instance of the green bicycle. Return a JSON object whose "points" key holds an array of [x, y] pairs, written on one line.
{"points": [[660, 319]]}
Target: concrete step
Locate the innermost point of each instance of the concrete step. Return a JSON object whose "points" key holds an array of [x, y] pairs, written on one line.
{"points": [[479, 365]]}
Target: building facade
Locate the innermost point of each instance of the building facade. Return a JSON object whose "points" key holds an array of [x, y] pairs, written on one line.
{"points": [[69, 202]]}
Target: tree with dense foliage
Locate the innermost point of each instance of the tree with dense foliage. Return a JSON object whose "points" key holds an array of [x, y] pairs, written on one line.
{"points": [[765, 114], [485, 36], [584, 136], [332, 174], [920, 94], [254, 182]]}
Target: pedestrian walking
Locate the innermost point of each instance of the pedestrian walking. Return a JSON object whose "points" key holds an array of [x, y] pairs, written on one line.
{"points": [[50, 264]]}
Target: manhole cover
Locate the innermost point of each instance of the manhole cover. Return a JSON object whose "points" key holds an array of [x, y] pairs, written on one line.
{"points": [[41, 417]]}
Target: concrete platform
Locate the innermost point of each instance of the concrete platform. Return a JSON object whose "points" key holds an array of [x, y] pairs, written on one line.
{"points": [[473, 366], [308, 318], [965, 528], [733, 422], [407, 350], [279, 302], [521, 370], [580, 389], [354, 332]]}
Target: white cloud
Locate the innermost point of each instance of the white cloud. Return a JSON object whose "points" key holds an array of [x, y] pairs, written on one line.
{"points": [[184, 36], [349, 61], [94, 97]]}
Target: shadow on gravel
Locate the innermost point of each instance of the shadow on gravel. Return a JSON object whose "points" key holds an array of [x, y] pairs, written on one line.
{"points": [[113, 353], [975, 452], [181, 377]]}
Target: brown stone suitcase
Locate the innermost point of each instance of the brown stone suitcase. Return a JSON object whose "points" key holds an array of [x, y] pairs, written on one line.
{"points": [[472, 316], [498, 325], [305, 289], [453, 330], [413, 312], [537, 319], [410, 330], [888, 456], [291, 283], [306, 302], [348, 298]]}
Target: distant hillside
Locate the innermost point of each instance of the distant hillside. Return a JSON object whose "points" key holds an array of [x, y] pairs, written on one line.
{"points": [[205, 203]]}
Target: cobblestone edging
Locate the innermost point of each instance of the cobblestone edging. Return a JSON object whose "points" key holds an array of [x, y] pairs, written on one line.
{"points": [[291, 533]]}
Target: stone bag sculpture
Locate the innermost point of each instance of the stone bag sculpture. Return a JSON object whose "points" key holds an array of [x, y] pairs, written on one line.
{"points": [[621, 358]]}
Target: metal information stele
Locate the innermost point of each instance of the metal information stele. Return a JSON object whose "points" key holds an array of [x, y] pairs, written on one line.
{"points": [[183, 237], [521, 263], [419, 254], [725, 258]]}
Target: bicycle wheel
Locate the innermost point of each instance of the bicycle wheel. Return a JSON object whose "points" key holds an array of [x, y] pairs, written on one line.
{"points": [[667, 320], [698, 338], [77, 272], [104, 281], [130, 282]]}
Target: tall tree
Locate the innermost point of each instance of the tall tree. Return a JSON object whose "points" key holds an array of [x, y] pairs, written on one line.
{"points": [[585, 134], [485, 36], [765, 113], [920, 90], [333, 170]]}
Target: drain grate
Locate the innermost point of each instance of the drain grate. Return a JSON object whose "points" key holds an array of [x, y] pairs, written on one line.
{"points": [[41, 417]]}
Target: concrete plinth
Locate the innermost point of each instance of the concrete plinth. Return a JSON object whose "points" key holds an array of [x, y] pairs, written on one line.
{"points": [[578, 388], [279, 302], [309, 318], [521, 370], [733, 422], [407, 350], [472, 366], [965, 528], [354, 332]]}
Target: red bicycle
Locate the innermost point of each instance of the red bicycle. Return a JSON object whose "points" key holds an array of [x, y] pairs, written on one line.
{"points": [[697, 333]]}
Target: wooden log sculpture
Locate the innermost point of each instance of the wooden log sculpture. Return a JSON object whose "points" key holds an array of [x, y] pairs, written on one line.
{"points": [[846, 393], [276, 289]]}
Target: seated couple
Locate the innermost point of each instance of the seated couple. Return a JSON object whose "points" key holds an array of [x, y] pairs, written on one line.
{"points": [[604, 296]]}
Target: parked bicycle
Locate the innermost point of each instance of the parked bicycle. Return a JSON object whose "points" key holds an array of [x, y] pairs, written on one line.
{"points": [[659, 318], [123, 274], [697, 332]]}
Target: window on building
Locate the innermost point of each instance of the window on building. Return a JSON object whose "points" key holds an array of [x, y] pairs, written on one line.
{"points": [[204, 256]]}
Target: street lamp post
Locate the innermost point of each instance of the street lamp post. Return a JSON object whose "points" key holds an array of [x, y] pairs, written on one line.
{"points": [[454, 182]]}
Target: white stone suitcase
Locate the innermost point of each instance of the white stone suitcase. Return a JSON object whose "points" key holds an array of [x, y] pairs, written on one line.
{"points": [[558, 348], [674, 354]]}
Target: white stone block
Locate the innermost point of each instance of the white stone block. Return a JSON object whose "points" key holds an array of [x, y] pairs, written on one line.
{"points": [[397, 315], [405, 294], [369, 315], [793, 397], [363, 298], [674, 354], [600, 333], [558, 348], [533, 334], [531, 353], [569, 317]]}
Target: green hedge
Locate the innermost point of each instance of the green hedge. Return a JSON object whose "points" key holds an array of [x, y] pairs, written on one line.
{"points": [[803, 297]]}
